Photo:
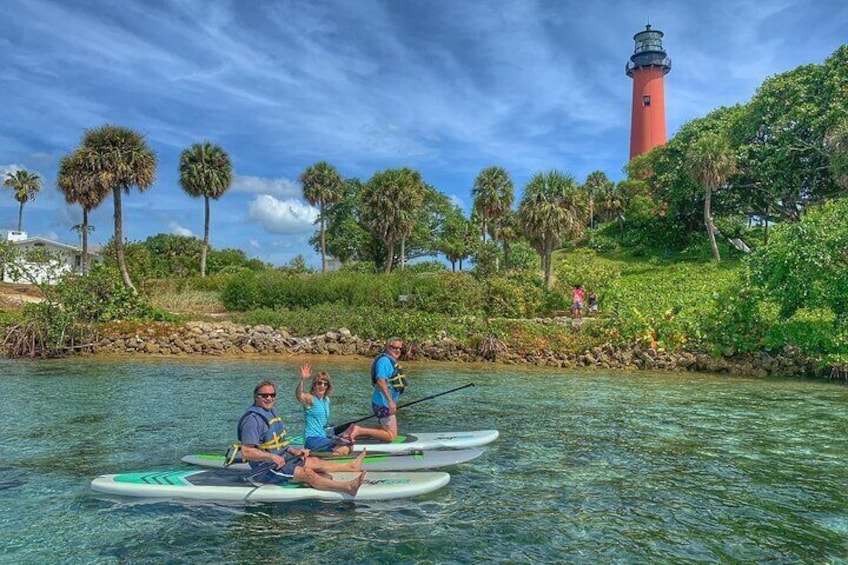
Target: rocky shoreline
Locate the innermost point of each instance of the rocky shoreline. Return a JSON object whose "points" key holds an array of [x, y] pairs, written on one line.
{"points": [[229, 339]]}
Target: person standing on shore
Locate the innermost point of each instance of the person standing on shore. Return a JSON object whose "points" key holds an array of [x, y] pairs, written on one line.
{"points": [[389, 382], [577, 296]]}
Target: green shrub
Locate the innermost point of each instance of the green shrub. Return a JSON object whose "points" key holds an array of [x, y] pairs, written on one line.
{"points": [[457, 294], [813, 330], [602, 241], [508, 297], [362, 321], [426, 267], [99, 296], [359, 267], [522, 257], [587, 270]]}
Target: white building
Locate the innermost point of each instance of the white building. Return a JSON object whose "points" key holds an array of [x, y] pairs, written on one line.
{"points": [[63, 258]]}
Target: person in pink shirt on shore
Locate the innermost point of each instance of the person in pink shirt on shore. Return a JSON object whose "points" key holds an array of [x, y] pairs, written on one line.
{"points": [[577, 297]]}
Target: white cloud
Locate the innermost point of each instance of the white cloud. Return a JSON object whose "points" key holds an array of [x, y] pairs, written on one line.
{"points": [[288, 216], [6, 169], [458, 202], [179, 230], [257, 185]]}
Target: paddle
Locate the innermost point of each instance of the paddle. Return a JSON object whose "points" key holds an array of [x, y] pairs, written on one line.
{"points": [[342, 427], [268, 466]]}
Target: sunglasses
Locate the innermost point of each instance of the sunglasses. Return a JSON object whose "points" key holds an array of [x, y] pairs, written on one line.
{"points": [[395, 347], [267, 394], [322, 383]]}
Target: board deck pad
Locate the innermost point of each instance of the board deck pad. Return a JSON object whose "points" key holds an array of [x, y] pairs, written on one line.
{"points": [[424, 441], [401, 461], [228, 485]]}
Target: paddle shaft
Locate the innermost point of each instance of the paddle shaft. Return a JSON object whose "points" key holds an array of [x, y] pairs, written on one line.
{"points": [[268, 466], [342, 427]]}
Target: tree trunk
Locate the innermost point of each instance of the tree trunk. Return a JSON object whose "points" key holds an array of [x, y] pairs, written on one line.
{"points": [[708, 222], [506, 253], [453, 266], [402, 253], [323, 240], [390, 243], [484, 230], [591, 213], [119, 242], [20, 216], [205, 239], [84, 241]]}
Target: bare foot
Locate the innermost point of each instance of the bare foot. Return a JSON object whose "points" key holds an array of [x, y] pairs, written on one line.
{"points": [[353, 485], [357, 463]]}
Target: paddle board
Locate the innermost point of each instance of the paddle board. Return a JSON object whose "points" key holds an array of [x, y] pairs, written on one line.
{"points": [[423, 441], [227, 485], [403, 461]]}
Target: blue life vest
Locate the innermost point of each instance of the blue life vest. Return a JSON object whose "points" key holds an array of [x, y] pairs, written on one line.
{"points": [[397, 380], [271, 440]]}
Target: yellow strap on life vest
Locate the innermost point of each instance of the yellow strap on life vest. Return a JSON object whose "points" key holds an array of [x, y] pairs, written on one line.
{"points": [[398, 382], [275, 443], [232, 454]]}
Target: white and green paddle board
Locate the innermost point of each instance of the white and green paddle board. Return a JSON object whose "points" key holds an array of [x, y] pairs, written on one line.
{"points": [[402, 461], [423, 442], [227, 485]]}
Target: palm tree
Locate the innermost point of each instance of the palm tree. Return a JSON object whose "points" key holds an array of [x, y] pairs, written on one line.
{"points": [[389, 202], [120, 159], [322, 186], [205, 170], [81, 186], [597, 187], [614, 206], [492, 198], [550, 211], [507, 229], [709, 162], [26, 185]]}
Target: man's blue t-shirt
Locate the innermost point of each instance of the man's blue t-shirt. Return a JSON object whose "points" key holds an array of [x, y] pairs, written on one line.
{"points": [[252, 429], [384, 370]]}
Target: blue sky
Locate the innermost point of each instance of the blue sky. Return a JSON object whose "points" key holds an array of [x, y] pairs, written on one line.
{"points": [[447, 87]]}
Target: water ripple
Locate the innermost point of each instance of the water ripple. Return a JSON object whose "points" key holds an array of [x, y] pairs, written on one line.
{"points": [[590, 468]]}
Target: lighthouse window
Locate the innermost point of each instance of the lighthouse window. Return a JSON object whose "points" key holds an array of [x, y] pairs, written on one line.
{"points": [[646, 101]]}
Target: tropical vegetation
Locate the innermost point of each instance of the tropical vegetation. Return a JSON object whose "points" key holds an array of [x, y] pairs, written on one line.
{"points": [[25, 186], [205, 170], [729, 239]]}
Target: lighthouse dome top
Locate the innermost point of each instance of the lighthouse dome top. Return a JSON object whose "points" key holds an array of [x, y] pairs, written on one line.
{"points": [[648, 40], [648, 52]]}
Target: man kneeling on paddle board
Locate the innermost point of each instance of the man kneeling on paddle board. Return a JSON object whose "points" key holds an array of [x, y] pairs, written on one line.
{"points": [[389, 382], [261, 436]]}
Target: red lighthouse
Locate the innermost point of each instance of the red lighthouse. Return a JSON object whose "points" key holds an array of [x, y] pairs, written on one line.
{"points": [[647, 67]]}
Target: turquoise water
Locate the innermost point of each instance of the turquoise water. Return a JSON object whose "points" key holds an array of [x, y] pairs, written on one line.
{"points": [[590, 468]]}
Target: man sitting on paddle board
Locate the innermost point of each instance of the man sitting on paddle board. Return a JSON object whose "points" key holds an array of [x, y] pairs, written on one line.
{"points": [[261, 436], [389, 382]]}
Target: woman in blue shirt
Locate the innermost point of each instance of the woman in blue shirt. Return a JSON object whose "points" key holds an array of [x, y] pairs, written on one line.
{"points": [[316, 412]]}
